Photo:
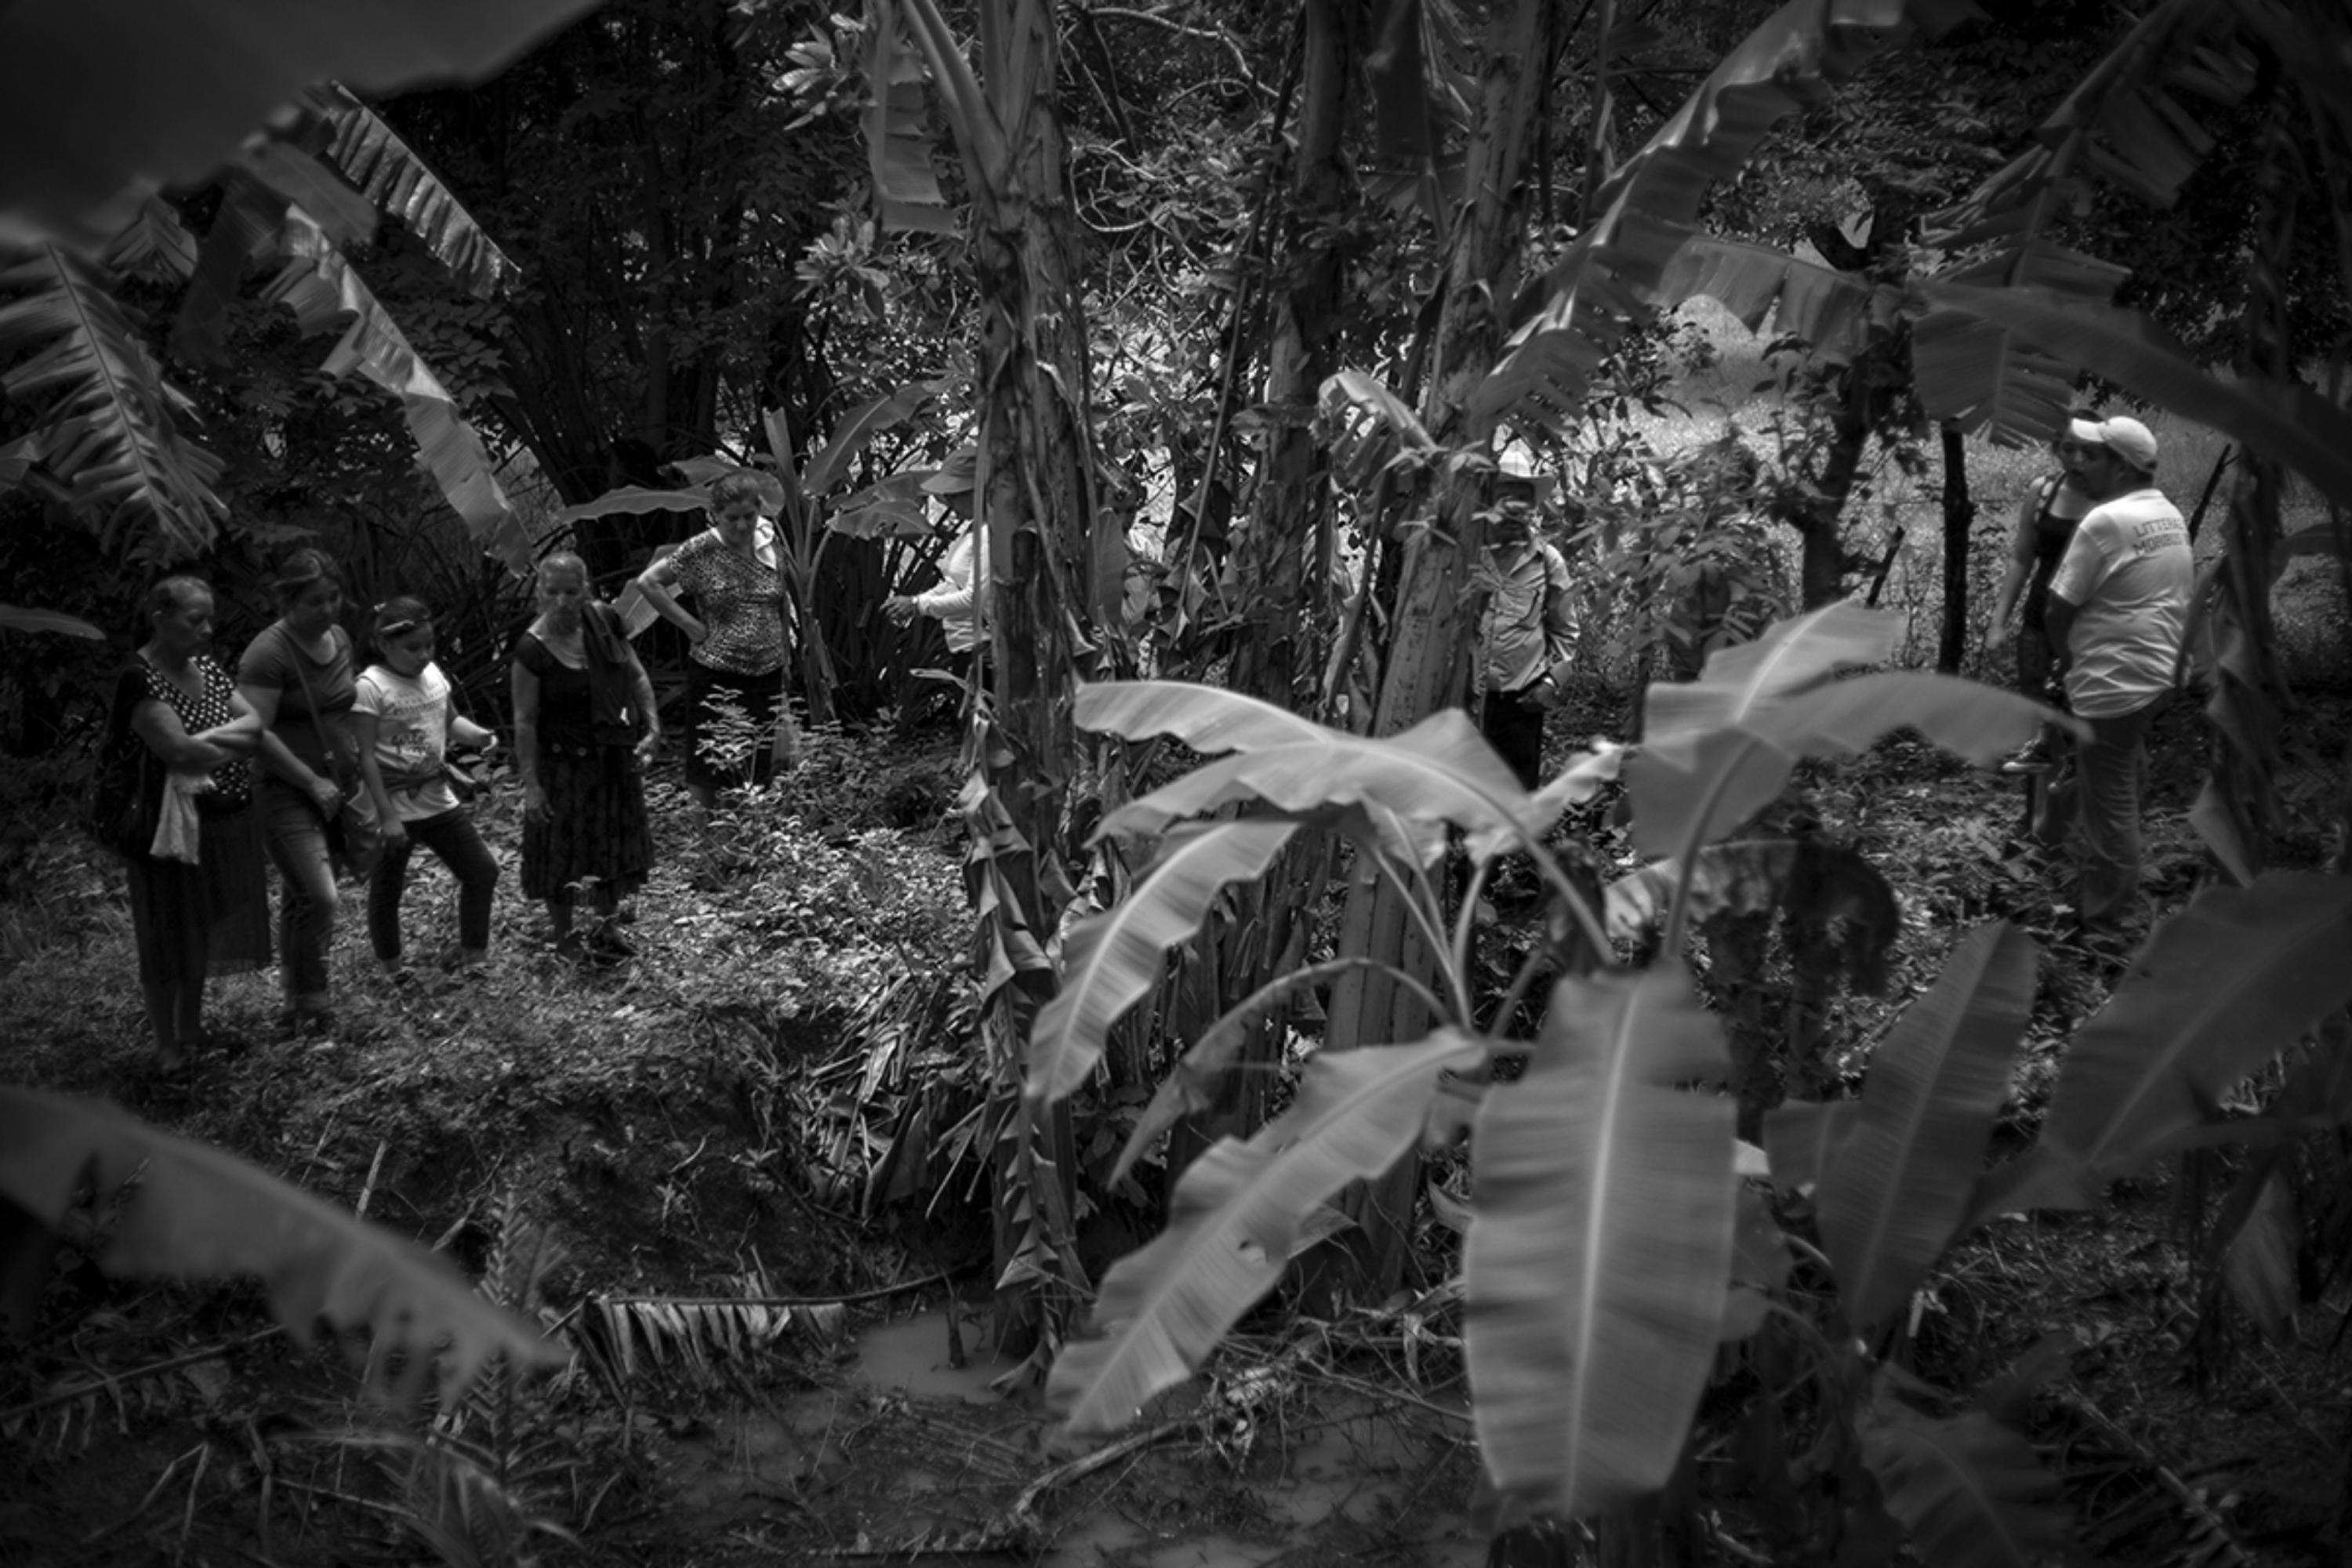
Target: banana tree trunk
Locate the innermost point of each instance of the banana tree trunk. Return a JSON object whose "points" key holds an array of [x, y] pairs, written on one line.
{"points": [[1039, 525], [1434, 620]]}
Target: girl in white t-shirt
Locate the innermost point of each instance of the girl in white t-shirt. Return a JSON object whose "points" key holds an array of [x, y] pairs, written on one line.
{"points": [[405, 726]]}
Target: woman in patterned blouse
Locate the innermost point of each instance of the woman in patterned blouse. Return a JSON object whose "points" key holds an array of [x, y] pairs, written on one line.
{"points": [[189, 921], [735, 675]]}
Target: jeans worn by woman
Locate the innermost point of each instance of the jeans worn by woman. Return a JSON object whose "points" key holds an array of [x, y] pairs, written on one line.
{"points": [[308, 903]]}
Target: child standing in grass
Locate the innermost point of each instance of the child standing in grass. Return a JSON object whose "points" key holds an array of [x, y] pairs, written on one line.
{"points": [[405, 725]]}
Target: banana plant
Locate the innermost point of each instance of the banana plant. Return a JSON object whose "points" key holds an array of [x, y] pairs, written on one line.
{"points": [[1601, 1251]]}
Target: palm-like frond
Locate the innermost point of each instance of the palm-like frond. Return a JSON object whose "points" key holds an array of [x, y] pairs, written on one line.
{"points": [[390, 174], [2124, 124], [95, 113], [1610, 279], [320, 288], [110, 432]]}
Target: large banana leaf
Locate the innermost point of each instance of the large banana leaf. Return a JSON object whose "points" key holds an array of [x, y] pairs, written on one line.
{"points": [[395, 181], [2282, 420], [110, 425], [851, 435], [1190, 1087], [1568, 320], [1205, 718], [1900, 1183], [2224, 986], [195, 1211], [898, 135], [1829, 309], [1597, 1264], [1969, 1490], [1717, 748], [1439, 771], [21, 620], [1237, 1212], [1801, 1138], [318, 286], [102, 102], [2012, 384], [634, 501], [1113, 960]]}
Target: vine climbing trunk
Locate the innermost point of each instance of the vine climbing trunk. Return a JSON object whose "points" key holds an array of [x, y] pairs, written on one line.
{"points": [[1433, 621]]}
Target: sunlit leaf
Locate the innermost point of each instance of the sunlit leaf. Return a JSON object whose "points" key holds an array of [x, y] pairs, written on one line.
{"points": [[15, 619], [398, 183], [1237, 1213], [1439, 771], [634, 501], [1208, 719], [1597, 1266], [1113, 960], [1900, 1182]]}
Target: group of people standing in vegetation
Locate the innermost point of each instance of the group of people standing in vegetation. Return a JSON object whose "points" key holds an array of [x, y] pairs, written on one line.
{"points": [[317, 761], [317, 764], [2101, 562]]}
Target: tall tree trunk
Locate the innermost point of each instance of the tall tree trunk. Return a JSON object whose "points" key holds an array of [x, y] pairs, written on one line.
{"points": [[1280, 560], [1042, 529], [1959, 515], [1435, 619]]}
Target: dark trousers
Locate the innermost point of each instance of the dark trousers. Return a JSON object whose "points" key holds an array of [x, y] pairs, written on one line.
{"points": [[2103, 800], [451, 836], [1513, 723]]}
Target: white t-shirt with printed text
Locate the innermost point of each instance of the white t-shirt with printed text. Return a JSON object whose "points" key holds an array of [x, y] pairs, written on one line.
{"points": [[2128, 574]]}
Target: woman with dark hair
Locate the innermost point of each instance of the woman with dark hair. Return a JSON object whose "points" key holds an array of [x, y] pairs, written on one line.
{"points": [[584, 728], [735, 673], [298, 675], [210, 916], [2045, 524]]}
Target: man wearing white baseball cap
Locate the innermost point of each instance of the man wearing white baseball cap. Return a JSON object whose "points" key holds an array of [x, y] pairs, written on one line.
{"points": [[2118, 608]]}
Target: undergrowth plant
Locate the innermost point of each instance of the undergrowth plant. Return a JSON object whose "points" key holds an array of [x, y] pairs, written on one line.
{"points": [[1614, 1246]]}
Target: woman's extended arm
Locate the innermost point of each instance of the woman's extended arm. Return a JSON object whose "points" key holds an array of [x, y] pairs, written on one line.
{"points": [[525, 723], [2021, 563], [643, 685], [656, 583]]}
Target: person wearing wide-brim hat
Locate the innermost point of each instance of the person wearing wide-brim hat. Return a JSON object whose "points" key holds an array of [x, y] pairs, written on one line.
{"points": [[953, 603], [2119, 610]]}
